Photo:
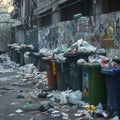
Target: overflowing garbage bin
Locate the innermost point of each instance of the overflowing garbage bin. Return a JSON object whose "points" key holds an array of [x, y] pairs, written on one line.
{"points": [[62, 75], [51, 72], [22, 51], [9, 51], [113, 86], [33, 58], [13, 55], [75, 82], [26, 57], [16, 54], [93, 84], [41, 65]]}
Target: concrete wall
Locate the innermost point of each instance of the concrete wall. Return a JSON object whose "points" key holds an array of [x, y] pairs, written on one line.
{"points": [[56, 35], [104, 31], [107, 27]]}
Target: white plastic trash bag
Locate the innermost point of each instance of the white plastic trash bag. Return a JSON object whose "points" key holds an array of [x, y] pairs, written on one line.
{"points": [[75, 97], [26, 57]]}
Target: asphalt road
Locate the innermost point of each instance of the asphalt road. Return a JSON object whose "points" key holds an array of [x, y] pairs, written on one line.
{"points": [[16, 103], [11, 103]]}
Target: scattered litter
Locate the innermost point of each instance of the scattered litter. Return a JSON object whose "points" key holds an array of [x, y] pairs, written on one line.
{"points": [[42, 94], [19, 111], [88, 116], [4, 88], [20, 96], [32, 118], [6, 70], [65, 100], [14, 103], [115, 118], [26, 104], [50, 110], [21, 114], [90, 107], [78, 114], [56, 113], [10, 115], [65, 116]]}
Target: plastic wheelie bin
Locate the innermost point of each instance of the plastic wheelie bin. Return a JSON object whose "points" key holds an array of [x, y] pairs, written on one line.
{"points": [[51, 71], [93, 84], [10, 51], [62, 75], [33, 58], [41, 65], [22, 51], [75, 82], [16, 56], [113, 86]]}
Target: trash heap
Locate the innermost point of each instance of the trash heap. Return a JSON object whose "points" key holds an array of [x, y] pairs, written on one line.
{"points": [[75, 81]]}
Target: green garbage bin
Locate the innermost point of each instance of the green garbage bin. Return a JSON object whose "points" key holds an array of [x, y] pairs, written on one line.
{"points": [[93, 84], [62, 75]]}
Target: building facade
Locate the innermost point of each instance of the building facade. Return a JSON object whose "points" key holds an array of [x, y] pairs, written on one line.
{"points": [[5, 25], [38, 14], [47, 12]]}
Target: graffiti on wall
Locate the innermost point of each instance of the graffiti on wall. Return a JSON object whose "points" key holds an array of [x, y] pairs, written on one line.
{"points": [[107, 27], [83, 28], [56, 35], [69, 33], [103, 32], [117, 33]]}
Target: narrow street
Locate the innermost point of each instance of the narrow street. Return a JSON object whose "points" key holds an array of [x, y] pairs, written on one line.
{"points": [[14, 95], [59, 60], [19, 99]]}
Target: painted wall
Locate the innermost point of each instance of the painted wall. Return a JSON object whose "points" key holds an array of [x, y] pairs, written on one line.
{"points": [[56, 35], [103, 31], [107, 27], [19, 35]]}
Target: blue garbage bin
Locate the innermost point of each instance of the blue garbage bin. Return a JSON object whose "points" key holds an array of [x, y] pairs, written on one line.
{"points": [[113, 86]]}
